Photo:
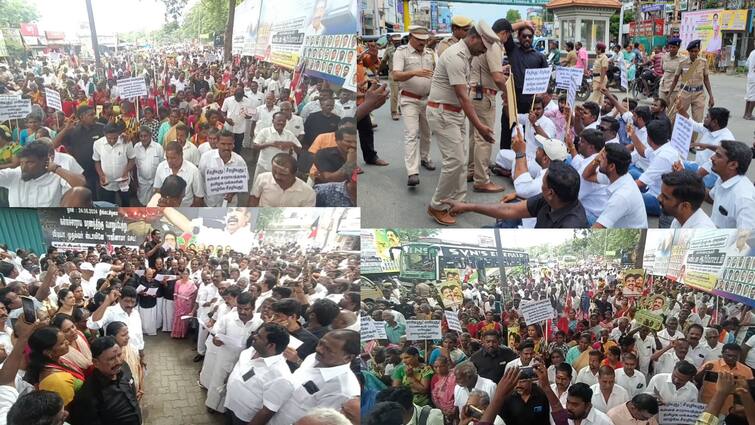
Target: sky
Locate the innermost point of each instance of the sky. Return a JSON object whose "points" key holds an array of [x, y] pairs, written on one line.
{"points": [[515, 238], [488, 12]]}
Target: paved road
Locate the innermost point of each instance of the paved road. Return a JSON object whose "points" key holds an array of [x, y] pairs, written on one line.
{"points": [[387, 201], [172, 396]]}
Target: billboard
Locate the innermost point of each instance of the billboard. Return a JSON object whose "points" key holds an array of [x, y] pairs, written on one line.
{"points": [[706, 25]]}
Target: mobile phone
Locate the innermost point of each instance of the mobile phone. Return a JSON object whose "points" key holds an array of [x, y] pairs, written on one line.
{"points": [[30, 313], [474, 411], [711, 376], [477, 92], [527, 373]]}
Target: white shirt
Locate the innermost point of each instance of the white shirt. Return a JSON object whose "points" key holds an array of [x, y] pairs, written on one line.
{"points": [[8, 397], [255, 99], [190, 173], [698, 354], [349, 108], [515, 363], [271, 194], [461, 394], [264, 118], [713, 353], [191, 153], [661, 383], [147, 160], [334, 385], [68, 162], [314, 106], [235, 330], [667, 362], [634, 384], [552, 374], [698, 220], [269, 135], [527, 185], [43, 192], [561, 397], [295, 125], [237, 112], [625, 207], [115, 313], [593, 196], [205, 294], [642, 161], [618, 396], [750, 359], [254, 383], [662, 163], [594, 417], [733, 203], [667, 337], [708, 137], [586, 376], [113, 159], [212, 160]]}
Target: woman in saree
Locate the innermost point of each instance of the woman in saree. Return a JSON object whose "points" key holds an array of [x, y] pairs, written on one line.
{"points": [[119, 331], [47, 369], [185, 296]]}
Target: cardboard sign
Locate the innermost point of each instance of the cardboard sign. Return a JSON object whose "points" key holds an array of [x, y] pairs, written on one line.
{"points": [[14, 108], [680, 413], [130, 88], [646, 318], [565, 75], [453, 321], [624, 79], [571, 94], [367, 329], [537, 311], [380, 329], [53, 99], [536, 80], [423, 329], [224, 180], [682, 135]]}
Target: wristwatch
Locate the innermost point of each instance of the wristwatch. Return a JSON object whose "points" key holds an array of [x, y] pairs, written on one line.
{"points": [[520, 155]]}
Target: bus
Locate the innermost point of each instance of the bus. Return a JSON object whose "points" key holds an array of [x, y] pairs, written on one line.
{"points": [[430, 261]]}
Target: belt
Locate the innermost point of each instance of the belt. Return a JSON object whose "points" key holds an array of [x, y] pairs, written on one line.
{"points": [[444, 106], [694, 89], [412, 95]]}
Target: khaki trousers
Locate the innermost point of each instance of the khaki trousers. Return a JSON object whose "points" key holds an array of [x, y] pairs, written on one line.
{"points": [[393, 85], [449, 131], [670, 98], [479, 149], [416, 133], [696, 100], [596, 96]]}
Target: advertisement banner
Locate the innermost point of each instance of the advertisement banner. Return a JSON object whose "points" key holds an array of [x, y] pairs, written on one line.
{"points": [[707, 25], [331, 57], [678, 253], [245, 27], [705, 257], [736, 278]]}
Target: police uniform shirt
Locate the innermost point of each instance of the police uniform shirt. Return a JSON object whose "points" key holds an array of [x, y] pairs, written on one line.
{"points": [[257, 382], [407, 58], [733, 203], [446, 43], [317, 387], [669, 65], [453, 69], [695, 78], [483, 66]]}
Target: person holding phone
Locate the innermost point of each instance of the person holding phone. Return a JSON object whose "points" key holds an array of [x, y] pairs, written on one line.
{"points": [[709, 373]]}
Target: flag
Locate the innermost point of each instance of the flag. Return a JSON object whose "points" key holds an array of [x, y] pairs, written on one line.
{"points": [[511, 101], [313, 228]]}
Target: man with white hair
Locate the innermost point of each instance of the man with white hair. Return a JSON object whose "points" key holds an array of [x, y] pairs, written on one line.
{"points": [[468, 380], [323, 416], [87, 284]]}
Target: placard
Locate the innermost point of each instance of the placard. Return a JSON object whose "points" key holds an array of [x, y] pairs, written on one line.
{"points": [[536, 80], [52, 97], [129, 88], [624, 77], [564, 75], [651, 320], [571, 94], [680, 413], [537, 311], [224, 180], [12, 108], [682, 135], [454, 324], [705, 257], [380, 329], [367, 329], [423, 329]]}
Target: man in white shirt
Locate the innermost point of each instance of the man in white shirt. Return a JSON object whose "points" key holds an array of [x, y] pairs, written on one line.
{"points": [[263, 115], [525, 184], [662, 162], [667, 358], [628, 377], [37, 182], [713, 344], [237, 110], [123, 311], [467, 380], [63, 159], [219, 158], [347, 103], [563, 380], [733, 195], [712, 131], [579, 407], [589, 374], [606, 394], [148, 155], [624, 207], [637, 131], [188, 150], [682, 194], [698, 351], [314, 106], [281, 187], [294, 123], [175, 164], [113, 160], [592, 195], [256, 98], [260, 382], [670, 332], [272, 141], [207, 294], [610, 128], [532, 124], [674, 387], [324, 378]]}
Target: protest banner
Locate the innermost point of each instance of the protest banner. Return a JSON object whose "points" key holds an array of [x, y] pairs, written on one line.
{"points": [[633, 281], [565, 75], [380, 329], [367, 329], [536, 80], [624, 78], [12, 108], [80, 228], [736, 279], [677, 413], [52, 98], [453, 321], [649, 319], [571, 94], [682, 135], [705, 258], [226, 180], [537, 311], [132, 87], [423, 330]]}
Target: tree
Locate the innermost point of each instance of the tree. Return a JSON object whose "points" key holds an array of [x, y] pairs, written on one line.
{"points": [[267, 217], [411, 235], [613, 28], [15, 12], [206, 16], [173, 9], [228, 41], [513, 15]]}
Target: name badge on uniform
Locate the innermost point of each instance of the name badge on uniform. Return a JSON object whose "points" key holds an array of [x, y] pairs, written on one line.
{"points": [[640, 385], [722, 210], [701, 355], [248, 375], [311, 387]]}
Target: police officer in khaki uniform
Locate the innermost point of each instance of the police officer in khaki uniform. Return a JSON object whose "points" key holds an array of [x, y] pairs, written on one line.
{"points": [[413, 66], [459, 27], [446, 108], [670, 63], [599, 73], [693, 72], [394, 41], [488, 76]]}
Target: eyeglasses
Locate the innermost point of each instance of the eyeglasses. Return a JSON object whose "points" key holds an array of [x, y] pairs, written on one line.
{"points": [[526, 36]]}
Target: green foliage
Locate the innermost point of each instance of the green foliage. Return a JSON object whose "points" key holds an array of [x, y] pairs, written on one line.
{"points": [[206, 16], [268, 217], [173, 9], [513, 16], [14, 12], [588, 242], [614, 24], [411, 235]]}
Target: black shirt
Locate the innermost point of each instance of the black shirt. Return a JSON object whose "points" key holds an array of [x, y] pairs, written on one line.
{"points": [[492, 366], [521, 59], [308, 347], [79, 143], [146, 301], [160, 253], [102, 401], [535, 411], [317, 123], [569, 217]]}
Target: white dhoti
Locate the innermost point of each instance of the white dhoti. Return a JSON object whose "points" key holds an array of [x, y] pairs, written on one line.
{"points": [[168, 310], [222, 366], [750, 94], [159, 320], [149, 320], [505, 159], [203, 332], [144, 192], [210, 354]]}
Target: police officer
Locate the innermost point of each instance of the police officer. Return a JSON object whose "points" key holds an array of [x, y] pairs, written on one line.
{"points": [[488, 76], [693, 72], [670, 63], [413, 66], [459, 27], [446, 108], [599, 73], [387, 62]]}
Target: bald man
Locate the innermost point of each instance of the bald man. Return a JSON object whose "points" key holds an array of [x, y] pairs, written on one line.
{"points": [[77, 197]]}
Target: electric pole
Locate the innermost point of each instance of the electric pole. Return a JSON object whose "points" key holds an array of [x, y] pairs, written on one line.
{"points": [[95, 44]]}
